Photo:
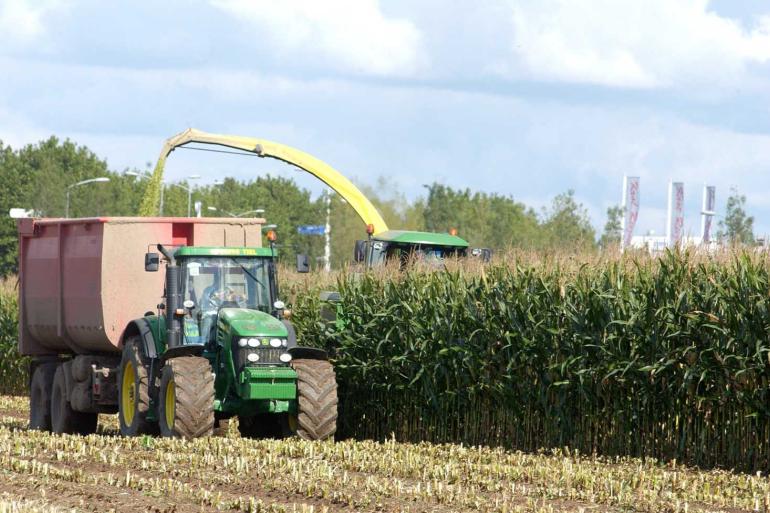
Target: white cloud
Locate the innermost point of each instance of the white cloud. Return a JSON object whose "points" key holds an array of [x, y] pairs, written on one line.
{"points": [[633, 43], [22, 20], [347, 34]]}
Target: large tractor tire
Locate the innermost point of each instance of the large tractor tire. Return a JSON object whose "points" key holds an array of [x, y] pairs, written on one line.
{"points": [[316, 399], [134, 391], [63, 418], [40, 396], [186, 398]]}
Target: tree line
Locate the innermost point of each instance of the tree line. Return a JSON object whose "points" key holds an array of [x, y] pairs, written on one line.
{"points": [[37, 176]]}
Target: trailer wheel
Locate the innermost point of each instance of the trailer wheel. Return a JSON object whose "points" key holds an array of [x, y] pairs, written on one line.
{"points": [[40, 396], [186, 398], [316, 399], [134, 391], [63, 418]]}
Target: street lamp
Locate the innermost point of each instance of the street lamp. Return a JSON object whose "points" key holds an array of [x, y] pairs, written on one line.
{"points": [[84, 182], [189, 193]]}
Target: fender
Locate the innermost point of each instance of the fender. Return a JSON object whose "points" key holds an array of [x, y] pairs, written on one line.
{"points": [[142, 328], [308, 353]]}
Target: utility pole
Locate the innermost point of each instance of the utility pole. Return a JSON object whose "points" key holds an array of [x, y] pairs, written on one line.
{"points": [[327, 234]]}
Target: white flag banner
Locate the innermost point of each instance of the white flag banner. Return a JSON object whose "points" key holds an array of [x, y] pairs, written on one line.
{"points": [[709, 204], [675, 212], [630, 207]]}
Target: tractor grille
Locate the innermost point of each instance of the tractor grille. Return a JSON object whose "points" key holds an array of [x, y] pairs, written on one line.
{"points": [[267, 356]]}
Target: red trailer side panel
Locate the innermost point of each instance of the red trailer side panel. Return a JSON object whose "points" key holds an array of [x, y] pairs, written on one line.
{"points": [[83, 280]]}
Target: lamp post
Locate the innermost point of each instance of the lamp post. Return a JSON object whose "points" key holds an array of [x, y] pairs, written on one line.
{"points": [[189, 193], [255, 211], [83, 182]]}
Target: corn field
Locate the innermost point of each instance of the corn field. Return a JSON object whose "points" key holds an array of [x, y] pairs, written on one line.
{"points": [[663, 358], [13, 368]]}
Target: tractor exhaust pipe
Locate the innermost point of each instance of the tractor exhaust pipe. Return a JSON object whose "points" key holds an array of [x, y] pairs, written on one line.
{"points": [[173, 300]]}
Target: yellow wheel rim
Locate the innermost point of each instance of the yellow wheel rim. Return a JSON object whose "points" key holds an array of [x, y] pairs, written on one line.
{"points": [[128, 393], [170, 404]]}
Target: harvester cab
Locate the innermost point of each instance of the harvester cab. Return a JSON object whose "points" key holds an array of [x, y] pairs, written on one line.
{"points": [[405, 246]]}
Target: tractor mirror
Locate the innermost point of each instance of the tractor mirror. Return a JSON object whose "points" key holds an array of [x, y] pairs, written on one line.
{"points": [[359, 252], [303, 264], [151, 262]]}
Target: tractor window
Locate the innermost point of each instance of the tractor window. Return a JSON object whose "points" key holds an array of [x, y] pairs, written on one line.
{"points": [[221, 282], [424, 253]]}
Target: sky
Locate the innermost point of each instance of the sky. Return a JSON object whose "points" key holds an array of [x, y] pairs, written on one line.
{"points": [[516, 97]]}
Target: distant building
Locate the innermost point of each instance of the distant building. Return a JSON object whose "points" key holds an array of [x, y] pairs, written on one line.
{"points": [[656, 244]]}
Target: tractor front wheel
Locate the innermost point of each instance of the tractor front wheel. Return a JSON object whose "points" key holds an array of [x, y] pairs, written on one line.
{"points": [[316, 399], [186, 398]]}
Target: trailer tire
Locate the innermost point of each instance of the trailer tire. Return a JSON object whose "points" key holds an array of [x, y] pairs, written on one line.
{"points": [[63, 418], [186, 398], [134, 391], [40, 396], [316, 399]]}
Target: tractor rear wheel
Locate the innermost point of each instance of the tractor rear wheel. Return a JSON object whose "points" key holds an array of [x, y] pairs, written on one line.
{"points": [[40, 396], [134, 391], [63, 418], [316, 399], [186, 398]]}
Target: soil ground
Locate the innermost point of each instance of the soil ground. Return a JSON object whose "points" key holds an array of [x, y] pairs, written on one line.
{"points": [[105, 472]]}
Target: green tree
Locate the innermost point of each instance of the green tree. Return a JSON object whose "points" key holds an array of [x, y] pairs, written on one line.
{"points": [[566, 224], [16, 183], [613, 228], [488, 220], [737, 227]]}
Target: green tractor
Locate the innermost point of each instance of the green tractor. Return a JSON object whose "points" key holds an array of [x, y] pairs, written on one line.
{"points": [[220, 347]]}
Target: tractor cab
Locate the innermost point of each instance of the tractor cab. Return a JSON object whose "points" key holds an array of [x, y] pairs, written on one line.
{"points": [[229, 282]]}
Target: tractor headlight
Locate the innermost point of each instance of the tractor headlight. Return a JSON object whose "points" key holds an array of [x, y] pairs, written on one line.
{"points": [[253, 342], [275, 342], [284, 342], [285, 357], [253, 357], [242, 342]]}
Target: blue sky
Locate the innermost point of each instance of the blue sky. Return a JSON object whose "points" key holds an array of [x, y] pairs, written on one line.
{"points": [[525, 98]]}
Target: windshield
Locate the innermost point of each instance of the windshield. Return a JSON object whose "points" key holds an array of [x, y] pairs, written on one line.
{"points": [[212, 283]]}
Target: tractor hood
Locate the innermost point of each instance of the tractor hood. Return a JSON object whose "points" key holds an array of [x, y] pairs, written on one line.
{"points": [[244, 322]]}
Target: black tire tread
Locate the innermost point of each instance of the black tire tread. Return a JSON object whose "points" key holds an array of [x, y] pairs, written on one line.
{"points": [[132, 349], [317, 399], [68, 421], [194, 390], [40, 389]]}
